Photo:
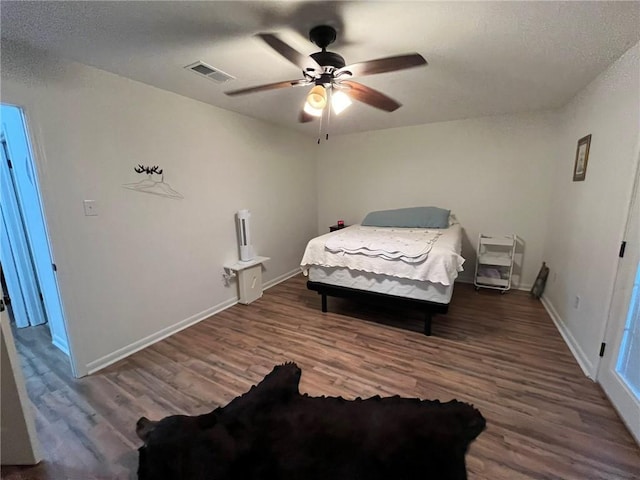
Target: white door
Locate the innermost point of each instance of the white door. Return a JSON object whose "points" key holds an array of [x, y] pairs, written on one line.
{"points": [[619, 372], [10, 272], [18, 150], [17, 247]]}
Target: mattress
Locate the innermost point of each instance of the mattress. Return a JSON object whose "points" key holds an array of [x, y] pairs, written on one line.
{"points": [[441, 266], [375, 282]]}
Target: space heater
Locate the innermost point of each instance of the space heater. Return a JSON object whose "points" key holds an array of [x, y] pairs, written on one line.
{"points": [[244, 236]]}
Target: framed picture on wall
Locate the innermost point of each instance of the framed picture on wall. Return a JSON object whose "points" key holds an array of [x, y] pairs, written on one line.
{"points": [[582, 157]]}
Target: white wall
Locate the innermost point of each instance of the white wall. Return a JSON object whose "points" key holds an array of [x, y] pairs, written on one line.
{"points": [[147, 265], [586, 223], [493, 173], [17, 428]]}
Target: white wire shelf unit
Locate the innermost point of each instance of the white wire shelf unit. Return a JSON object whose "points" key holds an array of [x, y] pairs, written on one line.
{"points": [[494, 261]]}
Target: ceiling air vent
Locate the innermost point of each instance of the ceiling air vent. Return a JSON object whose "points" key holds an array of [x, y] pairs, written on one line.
{"points": [[208, 71]]}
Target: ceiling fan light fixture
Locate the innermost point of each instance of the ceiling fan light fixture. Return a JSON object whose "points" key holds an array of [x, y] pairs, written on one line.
{"points": [[327, 73], [316, 112], [317, 97], [340, 101]]}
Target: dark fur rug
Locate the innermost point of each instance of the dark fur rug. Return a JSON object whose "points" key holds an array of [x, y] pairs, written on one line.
{"points": [[272, 432]]}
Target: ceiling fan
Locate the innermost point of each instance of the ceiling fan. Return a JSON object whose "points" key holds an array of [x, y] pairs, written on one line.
{"points": [[331, 77]]}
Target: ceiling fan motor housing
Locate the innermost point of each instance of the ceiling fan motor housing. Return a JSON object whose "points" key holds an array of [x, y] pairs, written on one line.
{"points": [[328, 59], [322, 35]]}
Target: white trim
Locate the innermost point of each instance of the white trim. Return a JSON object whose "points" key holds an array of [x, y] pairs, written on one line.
{"points": [[34, 133], [632, 404], [61, 344], [578, 353], [134, 347], [605, 330], [138, 345], [281, 278], [18, 423]]}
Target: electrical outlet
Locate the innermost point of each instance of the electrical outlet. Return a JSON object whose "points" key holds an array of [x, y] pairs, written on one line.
{"points": [[227, 277], [554, 277], [90, 208], [576, 302]]}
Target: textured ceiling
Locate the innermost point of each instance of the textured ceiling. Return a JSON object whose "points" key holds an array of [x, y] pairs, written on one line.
{"points": [[485, 58]]}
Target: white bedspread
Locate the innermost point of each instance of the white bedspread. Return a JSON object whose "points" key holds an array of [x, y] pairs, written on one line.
{"points": [[412, 246], [441, 265]]}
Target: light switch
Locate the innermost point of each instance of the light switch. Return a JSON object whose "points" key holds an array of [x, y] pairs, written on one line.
{"points": [[90, 208]]}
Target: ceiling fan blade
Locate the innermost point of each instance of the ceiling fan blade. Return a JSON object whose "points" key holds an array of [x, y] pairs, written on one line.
{"points": [[372, 97], [303, 61], [268, 86], [382, 65]]}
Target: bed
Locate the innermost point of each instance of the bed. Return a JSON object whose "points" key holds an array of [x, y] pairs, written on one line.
{"points": [[397, 265]]}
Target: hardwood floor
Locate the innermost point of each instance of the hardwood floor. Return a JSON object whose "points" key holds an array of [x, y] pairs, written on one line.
{"points": [[545, 419]]}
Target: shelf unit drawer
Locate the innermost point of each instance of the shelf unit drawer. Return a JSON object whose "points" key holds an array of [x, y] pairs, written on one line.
{"points": [[494, 261], [495, 282], [500, 240], [502, 260]]}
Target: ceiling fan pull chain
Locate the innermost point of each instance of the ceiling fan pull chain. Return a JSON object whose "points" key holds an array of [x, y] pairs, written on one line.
{"points": [[320, 129], [330, 89]]}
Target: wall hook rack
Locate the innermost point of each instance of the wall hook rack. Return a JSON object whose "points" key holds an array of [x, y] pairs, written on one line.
{"points": [[149, 185], [148, 170]]}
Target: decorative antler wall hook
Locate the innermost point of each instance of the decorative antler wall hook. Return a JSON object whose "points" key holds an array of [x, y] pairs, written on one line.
{"points": [[148, 170], [153, 185]]}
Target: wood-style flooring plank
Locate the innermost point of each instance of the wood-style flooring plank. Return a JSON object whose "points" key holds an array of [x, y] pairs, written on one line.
{"points": [[502, 353]]}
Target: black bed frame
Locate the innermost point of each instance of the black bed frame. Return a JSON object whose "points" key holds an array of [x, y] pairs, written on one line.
{"points": [[429, 308]]}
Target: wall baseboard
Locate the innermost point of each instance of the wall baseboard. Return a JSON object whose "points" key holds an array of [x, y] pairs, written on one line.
{"points": [[586, 366], [138, 345], [569, 339], [105, 361], [60, 344], [281, 278]]}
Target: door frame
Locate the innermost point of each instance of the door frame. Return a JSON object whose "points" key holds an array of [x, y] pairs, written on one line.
{"points": [[37, 159], [606, 374], [19, 434]]}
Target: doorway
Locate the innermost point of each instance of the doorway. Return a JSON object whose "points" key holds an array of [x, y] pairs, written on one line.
{"points": [[619, 372], [26, 258]]}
